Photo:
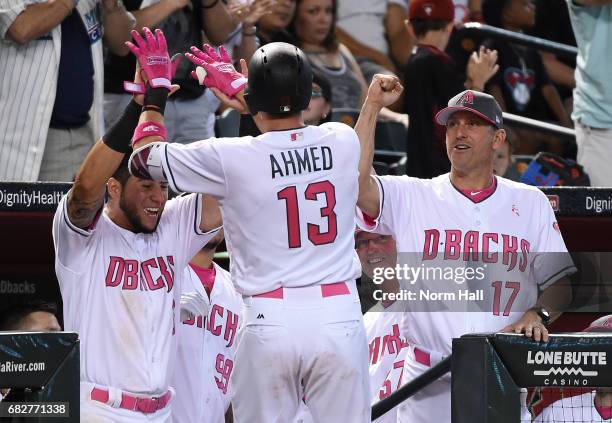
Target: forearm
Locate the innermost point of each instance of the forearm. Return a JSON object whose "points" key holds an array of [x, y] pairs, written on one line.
{"points": [[556, 298], [38, 19], [593, 2], [365, 129], [152, 15], [217, 21], [248, 44], [558, 71], [400, 41], [361, 50], [554, 102], [118, 23]]}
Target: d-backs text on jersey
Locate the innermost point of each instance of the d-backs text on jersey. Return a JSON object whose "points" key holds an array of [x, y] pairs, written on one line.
{"points": [[149, 275], [469, 245]]}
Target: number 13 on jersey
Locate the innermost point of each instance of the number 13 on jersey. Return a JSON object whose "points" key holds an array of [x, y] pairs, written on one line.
{"points": [[313, 192]]}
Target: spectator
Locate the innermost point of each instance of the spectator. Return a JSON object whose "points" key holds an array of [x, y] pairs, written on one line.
{"points": [[273, 26], [560, 68], [36, 316], [314, 29], [319, 108], [522, 86], [592, 23], [190, 113], [51, 98], [503, 163], [374, 31], [430, 80]]}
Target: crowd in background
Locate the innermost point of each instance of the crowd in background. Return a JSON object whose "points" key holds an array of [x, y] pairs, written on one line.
{"points": [[63, 67]]}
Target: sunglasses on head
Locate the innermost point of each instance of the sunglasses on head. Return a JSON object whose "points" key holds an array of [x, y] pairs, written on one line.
{"points": [[316, 93]]}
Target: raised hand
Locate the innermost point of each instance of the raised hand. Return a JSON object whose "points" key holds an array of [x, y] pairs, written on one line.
{"points": [[153, 57], [384, 90], [481, 67], [220, 72]]}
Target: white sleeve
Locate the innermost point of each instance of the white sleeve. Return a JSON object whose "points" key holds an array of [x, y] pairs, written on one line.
{"points": [[70, 242], [9, 10], [195, 167], [392, 218], [185, 213], [551, 259]]}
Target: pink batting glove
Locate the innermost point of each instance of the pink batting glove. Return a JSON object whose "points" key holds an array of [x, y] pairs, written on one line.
{"points": [[140, 88], [152, 54], [220, 72]]}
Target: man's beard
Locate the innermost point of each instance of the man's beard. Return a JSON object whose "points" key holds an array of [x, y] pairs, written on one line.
{"points": [[132, 216]]}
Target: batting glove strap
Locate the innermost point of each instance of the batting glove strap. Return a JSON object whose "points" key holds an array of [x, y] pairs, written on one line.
{"points": [[148, 129], [145, 162], [133, 87]]}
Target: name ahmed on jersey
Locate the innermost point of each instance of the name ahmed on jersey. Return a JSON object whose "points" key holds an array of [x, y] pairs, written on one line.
{"points": [[300, 160]]}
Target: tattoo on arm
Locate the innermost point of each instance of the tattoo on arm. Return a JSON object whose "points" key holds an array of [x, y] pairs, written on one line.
{"points": [[82, 212]]}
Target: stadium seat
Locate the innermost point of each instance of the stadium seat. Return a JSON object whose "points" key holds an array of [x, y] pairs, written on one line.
{"points": [[390, 136]]}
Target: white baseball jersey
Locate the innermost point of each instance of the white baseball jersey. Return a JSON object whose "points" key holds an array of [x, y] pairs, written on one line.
{"points": [[287, 200], [29, 80], [513, 229], [387, 352], [119, 292], [579, 408], [206, 349]]}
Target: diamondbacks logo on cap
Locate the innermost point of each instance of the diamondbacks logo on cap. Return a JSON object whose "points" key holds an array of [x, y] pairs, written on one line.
{"points": [[428, 8], [467, 98]]}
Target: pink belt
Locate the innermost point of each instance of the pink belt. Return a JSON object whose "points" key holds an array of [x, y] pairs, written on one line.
{"points": [[422, 357], [130, 402], [327, 290]]}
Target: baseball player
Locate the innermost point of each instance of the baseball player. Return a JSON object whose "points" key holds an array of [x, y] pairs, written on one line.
{"points": [[206, 343], [287, 199], [594, 406], [382, 322], [455, 217], [119, 266]]}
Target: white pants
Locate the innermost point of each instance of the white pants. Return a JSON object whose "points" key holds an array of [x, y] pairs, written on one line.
{"points": [[96, 412], [594, 152], [185, 120], [65, 150], [302, 348]]}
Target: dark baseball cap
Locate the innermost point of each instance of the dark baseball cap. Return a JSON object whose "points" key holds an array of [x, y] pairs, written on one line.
{"points": [[481, 104], [431, 10]]}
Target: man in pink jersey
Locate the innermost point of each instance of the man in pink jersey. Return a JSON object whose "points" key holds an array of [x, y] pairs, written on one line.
{"points": [[119, 265], [287, 198], [455, 220]]}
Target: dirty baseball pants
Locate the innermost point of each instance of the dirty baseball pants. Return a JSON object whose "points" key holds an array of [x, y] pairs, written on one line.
{"points": [[302, 344], [110, 406]]}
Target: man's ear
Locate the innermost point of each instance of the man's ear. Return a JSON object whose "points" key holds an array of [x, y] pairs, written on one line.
{"points": [[499, 138], [113, 188], [410, 29]]}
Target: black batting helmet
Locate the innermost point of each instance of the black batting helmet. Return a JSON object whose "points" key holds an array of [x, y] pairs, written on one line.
{"points": [[280, 80]]}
